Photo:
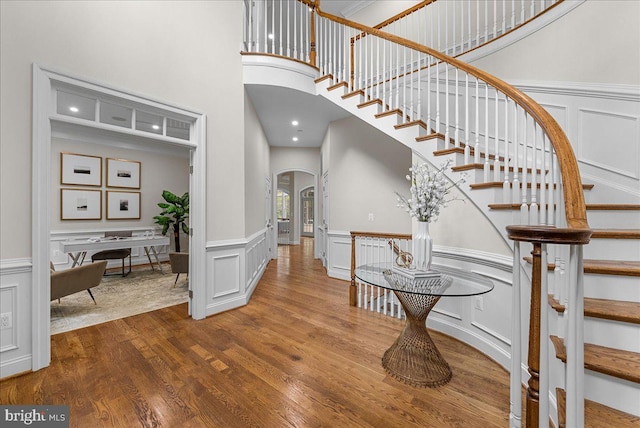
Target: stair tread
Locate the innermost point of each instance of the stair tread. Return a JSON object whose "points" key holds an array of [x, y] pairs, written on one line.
{"points": [[607, 267], [596, 414], [613, 362], [615, 310], [615, 233]]}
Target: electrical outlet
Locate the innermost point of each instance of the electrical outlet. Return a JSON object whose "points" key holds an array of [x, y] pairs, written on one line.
{"points": [[6, 320], [372, 217], [479, 303]]}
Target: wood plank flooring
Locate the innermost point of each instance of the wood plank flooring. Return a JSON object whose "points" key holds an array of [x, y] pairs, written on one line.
{"points": [[297, 356]]}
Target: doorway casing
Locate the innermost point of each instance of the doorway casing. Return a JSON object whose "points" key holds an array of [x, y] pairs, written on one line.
{"points": [[44, 114]]}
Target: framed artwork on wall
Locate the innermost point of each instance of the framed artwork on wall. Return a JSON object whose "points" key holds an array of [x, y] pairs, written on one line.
{"points": [[123, 205], [82, 170], [123, 173], [78, 204]]}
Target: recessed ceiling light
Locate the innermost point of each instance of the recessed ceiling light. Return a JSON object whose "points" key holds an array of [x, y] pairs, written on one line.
{"points": [[74, 109], [270, 36], [294, 122], [295, 138], [155, 126]]}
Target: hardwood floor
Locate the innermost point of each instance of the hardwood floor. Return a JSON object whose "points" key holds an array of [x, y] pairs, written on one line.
{"points": [[297, 355]]}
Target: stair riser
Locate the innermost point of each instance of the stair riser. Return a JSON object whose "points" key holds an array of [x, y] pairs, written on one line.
{"points": [[613, 249], [612, 287], [601, 219], [612, 334], [615, 393]]}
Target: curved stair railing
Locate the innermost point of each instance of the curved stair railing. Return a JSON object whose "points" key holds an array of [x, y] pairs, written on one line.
{"points": [[455, 27], [497, 130]]}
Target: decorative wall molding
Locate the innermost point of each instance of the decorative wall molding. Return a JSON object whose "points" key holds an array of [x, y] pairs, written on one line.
{"points": [[14, 266], [581, 89], [9, 303]]}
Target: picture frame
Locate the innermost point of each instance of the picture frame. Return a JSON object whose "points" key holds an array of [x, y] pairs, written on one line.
{"points": [[80, 204], [123, 173], [123, 205], [80, 170]]}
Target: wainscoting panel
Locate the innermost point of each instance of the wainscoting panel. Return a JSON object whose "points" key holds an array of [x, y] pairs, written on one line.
{"points": [[603, 124], [339, 255], [16, 308], [225, 274], [234, 268]]}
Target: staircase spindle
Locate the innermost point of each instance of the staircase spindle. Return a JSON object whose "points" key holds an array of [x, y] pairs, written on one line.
{"points": [[506, 191], [496, 140]]}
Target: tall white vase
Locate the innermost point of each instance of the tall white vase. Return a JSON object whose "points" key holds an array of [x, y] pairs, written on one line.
{"points": [[422, 247]]}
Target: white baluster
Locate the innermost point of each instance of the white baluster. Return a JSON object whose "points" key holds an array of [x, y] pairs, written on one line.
{"points": [[487, 166], [534, 207], [496, 144], [575, 341], [544, 184], [515, 415], [524, 208], [495, 19], [476, 147], [506, 191], [456, 133], [467, 124], [447, 127], [515, 183]]}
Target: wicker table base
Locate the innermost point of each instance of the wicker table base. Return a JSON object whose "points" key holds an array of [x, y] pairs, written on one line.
{"points": [[414, 358]]}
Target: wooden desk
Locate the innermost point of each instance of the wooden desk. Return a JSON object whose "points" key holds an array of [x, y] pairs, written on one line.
{"points": [[77, 249]]}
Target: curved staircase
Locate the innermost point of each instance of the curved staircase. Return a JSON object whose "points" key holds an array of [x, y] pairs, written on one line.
{"points": [[520, 170]]}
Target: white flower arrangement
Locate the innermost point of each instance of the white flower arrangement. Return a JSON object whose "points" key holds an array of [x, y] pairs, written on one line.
{"points": [[429, 189]]}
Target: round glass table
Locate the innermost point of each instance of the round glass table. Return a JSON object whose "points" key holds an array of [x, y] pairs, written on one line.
{"points": [[414, 358]]}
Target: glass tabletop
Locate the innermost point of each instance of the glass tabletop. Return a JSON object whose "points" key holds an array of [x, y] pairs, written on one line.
{"points": [[444, 280]]}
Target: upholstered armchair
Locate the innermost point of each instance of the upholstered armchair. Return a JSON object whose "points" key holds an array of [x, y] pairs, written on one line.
{"points": [[70, 281], [179, 264]]}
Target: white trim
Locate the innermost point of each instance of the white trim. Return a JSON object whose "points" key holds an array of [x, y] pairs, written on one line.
{"points": [[13, 266], [14, 366], [581, 89]]}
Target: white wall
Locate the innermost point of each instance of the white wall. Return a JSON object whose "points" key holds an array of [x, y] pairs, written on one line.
{"points": [[293, 158], [598, 42], [366, 168], [181, 66], [380, 11], [256, 170]]}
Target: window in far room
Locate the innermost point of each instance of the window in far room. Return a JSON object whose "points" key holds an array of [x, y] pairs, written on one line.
{"points": [[283, 205]]}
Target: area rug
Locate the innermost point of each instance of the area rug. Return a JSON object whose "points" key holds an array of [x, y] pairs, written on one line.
{"points": [[118, 297]]}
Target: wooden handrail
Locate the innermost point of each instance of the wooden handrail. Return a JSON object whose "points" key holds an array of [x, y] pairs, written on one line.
{"points": [[404, 13], [575, 210]]}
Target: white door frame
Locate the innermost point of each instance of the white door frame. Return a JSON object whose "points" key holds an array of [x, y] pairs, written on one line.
{"points": [[44, 112]]}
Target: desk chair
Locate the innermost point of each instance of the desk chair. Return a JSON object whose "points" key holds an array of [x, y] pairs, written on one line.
{"points": [[77, 279], [115, 254]]}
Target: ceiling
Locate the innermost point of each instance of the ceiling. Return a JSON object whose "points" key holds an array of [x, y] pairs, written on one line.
{"points": [[277, 107]]}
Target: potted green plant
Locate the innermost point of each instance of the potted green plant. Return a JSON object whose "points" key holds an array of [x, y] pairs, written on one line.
{"points": [[175, 212]]}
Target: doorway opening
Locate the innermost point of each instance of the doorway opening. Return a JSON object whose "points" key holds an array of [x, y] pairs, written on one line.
{"points": [[295, 207], [105, 123]]}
